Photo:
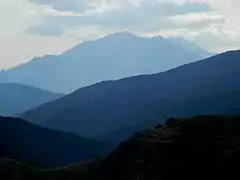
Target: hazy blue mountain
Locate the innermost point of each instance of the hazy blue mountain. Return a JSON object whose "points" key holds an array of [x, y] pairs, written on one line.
{"points": [[112, 57], [191, 46], [141, 101], [18, 98], [22, 141]]}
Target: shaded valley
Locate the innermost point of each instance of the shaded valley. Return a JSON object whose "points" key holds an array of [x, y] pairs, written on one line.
{"points": [[18, 98], [44, 148]]}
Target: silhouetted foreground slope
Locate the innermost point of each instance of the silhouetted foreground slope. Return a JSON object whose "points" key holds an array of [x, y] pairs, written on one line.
{"points": [[18, 98], [22, 141], [200, 148], [209, 86], [13, 170]]}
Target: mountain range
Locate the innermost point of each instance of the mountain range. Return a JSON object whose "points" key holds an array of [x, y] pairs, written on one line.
{"points": [[166, 120], [17, 98], [44, 148], [113, 57], [209, 86]]}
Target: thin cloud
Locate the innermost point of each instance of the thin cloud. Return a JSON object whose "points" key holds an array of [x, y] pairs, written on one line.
{"points": [[117, 15]]}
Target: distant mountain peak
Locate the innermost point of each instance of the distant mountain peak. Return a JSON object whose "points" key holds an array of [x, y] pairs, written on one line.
{"points": [[118, 55], [124, 35], [129, 35], [159, 36]]}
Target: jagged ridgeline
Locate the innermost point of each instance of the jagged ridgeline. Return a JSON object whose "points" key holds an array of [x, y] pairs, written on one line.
{"points": [[200, 148]]}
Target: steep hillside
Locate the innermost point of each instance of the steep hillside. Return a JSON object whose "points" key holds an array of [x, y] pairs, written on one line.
{"points": [[203, 147], [113, 57], [17, 98], [147, 100], [22, 141]]}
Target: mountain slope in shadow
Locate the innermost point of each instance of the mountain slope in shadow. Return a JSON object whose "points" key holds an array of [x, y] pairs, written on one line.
{"points": [[202, 147], [145, 100], [17, 98], [41, 147]]}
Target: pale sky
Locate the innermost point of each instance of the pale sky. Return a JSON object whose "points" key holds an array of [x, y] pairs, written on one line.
{"points": [[37, 27]]}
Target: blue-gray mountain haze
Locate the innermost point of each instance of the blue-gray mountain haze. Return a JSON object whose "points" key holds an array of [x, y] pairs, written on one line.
{"points": [[113, 57], [17, 98], [210, 86]]}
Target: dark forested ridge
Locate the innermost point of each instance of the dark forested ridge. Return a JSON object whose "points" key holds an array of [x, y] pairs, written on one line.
{"points": [[113, 57], [22, 141], [209, 86], [199, 148], [18, 98], [203, 147]]}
